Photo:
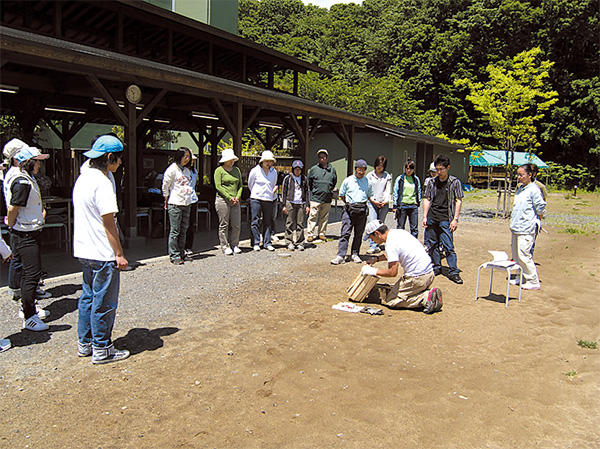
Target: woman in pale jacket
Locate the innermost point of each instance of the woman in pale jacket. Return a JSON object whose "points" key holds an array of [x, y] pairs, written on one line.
{"points": [[379, 203], [177, 190], [262, 182], [528, 207]]}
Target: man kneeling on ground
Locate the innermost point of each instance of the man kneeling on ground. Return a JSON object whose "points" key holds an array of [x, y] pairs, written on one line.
{"points": [[401, 248]]}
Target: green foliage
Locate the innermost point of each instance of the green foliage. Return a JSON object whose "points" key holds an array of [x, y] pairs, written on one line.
{"points": [[514, 99], [587, 344], [405, 56], [566, 177], [157, 140]]}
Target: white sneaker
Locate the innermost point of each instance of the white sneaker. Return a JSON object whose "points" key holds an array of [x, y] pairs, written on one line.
{"points": [[274, 238], [42, 294], [291, 247], [372, 250], [338, 260], [531, 286], [42, 313], [515, 281], [236, 250], [34, 324], [300, 247], [270, 248], [5, 344], [256, 248], [356, 258], [228, 251]]}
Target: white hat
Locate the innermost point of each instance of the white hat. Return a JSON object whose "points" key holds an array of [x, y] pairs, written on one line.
{"points": [[432, 167], [267, 156], [12, 147], [371, 227], [228, 155], [323, 150]]}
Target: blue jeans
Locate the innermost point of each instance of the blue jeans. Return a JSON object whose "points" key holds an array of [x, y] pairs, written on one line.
{"points": [[376, 214], [410, 211], [436, 233], [98, 302], [256, 207]]}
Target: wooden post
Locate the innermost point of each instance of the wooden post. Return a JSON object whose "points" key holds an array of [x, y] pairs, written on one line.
{"points": [[130, 197], [214, 143], [350, 150], [306, 134], [238, 116]]}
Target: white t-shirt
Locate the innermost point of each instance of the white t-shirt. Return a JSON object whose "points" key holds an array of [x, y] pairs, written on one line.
{"points": [[403, 248], [93, 197]]}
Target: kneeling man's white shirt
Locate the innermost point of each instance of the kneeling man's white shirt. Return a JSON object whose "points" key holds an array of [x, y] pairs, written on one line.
{"points": [[93, 197], [403, 248]]}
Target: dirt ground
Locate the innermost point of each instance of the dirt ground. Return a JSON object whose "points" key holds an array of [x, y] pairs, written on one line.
{"points": [[278, 368]]}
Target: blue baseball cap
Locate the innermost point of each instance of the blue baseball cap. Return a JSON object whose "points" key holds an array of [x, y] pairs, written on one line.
{"points": [[30, 153], [104, 144], [296, 164]]}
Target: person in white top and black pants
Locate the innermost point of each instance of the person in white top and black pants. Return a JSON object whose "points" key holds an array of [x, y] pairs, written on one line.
{"points": [[381, 198], [25, 220]]}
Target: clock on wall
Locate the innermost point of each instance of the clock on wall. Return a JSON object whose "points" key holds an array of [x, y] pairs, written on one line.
{"points": [[133, 94]]}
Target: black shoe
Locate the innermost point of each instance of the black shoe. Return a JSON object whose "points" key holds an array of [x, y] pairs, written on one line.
{"points": [[437, 272], [456, 279]]}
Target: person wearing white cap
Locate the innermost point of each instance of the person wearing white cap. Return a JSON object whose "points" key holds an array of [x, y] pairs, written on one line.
{"points": [[25, 220], [412, 290], [177, 191], [97, 246], [228, 183], [322, 179], [6, 255], [262, 182], [15, 268]]}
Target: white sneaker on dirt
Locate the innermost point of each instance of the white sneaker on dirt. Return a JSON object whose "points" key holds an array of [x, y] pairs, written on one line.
{"points": [[531, 286], [84, 349], [41, 313], [236, 250], [274, 238], [228, 251], [300, 247], [515, 281], [256, 248], [270, 248], [33, 323], [291, 247], [108, 355], [338, 260], [372, 250], [356, 258]]}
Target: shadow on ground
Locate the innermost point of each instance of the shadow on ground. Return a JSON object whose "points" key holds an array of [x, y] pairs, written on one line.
{"points": [[27, 338], [141, 339]]}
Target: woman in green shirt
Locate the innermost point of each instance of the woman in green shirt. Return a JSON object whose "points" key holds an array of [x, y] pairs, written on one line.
{"points": [[228, 182]]}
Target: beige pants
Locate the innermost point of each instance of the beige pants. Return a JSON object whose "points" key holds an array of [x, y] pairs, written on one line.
{"points": [[319, 212], [409, 292], [521, 252]]}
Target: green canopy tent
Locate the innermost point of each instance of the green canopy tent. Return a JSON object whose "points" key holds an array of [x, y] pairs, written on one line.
{"points": [[495, 158]]}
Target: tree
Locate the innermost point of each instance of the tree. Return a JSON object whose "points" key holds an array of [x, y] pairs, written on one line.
{"points": [[513, 101]]}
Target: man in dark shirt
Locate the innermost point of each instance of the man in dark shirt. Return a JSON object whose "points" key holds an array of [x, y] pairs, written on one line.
{"points": [[441, 209]]}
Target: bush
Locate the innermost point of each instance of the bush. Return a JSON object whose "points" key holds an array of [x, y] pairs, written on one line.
{"points": [[566, 177]]}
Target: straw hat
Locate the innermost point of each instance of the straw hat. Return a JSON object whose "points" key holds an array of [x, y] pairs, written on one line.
{"points": [[228, 155], [266, 156]]}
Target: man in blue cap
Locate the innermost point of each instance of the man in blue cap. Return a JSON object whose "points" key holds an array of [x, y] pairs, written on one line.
{"points": [[355, 192], [97, 246], [296, 205]]}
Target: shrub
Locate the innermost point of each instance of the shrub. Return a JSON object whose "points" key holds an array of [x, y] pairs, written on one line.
{"points": [[566, 177]]}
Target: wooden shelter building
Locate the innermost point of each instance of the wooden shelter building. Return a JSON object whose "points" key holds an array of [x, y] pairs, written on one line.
{"points": [[127, 62]]}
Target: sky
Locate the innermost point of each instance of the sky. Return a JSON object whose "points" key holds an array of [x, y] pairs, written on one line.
{"points": [[328, 3]]}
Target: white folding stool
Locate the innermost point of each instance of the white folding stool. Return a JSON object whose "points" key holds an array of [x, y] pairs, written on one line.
{"points": [[506, 265]]}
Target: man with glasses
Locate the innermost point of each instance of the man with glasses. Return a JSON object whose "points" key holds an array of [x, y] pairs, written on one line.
{"points": [[442, 202]]}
